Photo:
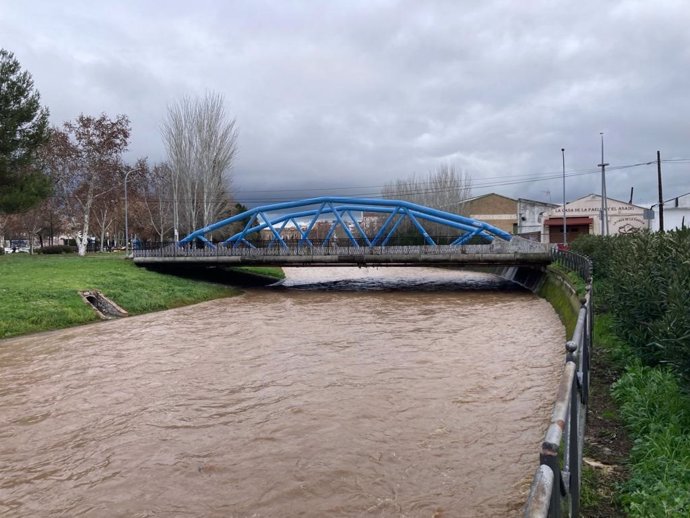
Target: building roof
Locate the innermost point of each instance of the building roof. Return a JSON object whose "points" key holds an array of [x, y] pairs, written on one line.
{"points": [[608, 198], [547, 203], [487, 195]]}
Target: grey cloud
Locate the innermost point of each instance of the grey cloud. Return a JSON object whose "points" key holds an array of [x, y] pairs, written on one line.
{"points": [[354, 94]]}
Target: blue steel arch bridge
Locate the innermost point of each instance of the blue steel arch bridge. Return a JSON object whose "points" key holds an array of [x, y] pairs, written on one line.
{"points": [[387, 232]]}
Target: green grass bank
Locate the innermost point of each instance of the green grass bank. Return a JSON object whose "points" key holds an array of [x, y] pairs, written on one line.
{"points": [[654, 406], [40, 292], [561, 291]]}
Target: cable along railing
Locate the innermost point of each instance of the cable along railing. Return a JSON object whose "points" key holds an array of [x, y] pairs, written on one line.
{"points": [[555, 489]]}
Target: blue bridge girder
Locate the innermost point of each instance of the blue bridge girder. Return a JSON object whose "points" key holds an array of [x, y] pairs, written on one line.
{"points": [[277, 216]]}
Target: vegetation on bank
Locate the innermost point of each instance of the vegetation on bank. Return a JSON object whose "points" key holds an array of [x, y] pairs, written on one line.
{"points": [[643, 289], [553, 291], [40, 292]]}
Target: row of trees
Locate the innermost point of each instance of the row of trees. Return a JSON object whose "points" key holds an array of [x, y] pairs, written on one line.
{"points": [[73, 179], [445, 188]]}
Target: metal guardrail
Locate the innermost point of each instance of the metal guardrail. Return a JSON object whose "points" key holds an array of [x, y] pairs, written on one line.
{"points": [[574, 262], [556, 486], [296, 248]]}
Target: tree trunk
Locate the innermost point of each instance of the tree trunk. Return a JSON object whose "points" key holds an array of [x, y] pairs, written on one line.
{"points": [[83, 236]]}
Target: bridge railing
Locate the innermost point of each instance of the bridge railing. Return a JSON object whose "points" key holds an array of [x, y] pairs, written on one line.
{"points": [[340, 248], [556, 485]]}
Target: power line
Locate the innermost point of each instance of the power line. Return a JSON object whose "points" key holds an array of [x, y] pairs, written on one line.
{"points": [[374, 191], [513, 180]]}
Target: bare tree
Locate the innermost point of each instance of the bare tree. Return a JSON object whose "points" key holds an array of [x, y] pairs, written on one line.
{"points": [[85, 158], [445, 189], [201, 142], [28, 224], [157, 201]]}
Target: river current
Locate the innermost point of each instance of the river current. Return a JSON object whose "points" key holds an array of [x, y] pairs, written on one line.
{"points": [[346, 392]]}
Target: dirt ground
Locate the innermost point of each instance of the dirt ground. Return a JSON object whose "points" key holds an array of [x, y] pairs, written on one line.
{"points": [[606, 444]]}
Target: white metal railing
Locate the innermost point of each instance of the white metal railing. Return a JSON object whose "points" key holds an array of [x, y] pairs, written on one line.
{"points": [[556, 486]]}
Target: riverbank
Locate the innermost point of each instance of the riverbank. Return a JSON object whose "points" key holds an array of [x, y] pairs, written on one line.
{"points": [[641, 335], [41, 292], [607, 445]]}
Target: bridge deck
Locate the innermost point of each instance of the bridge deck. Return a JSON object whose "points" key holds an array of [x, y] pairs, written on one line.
{"points": [[496, 254]]}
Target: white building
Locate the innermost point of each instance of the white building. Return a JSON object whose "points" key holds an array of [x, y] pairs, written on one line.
{"points": [[676, 213], [584, 216], [530, 218]]}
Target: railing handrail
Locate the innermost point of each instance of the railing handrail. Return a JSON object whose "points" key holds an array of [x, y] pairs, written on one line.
{"points": [[266, 249], [540, 493], [578, 263], [565, 433]]}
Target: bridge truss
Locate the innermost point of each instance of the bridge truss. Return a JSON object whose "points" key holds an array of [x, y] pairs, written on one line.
{"points": [[339, 213]]}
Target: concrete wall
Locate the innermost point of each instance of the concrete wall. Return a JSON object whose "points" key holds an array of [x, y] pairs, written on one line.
{"points": [[531, 215], [528, 277]]}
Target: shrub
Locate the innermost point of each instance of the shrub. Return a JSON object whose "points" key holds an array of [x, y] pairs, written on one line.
{"points": [[57, 249], [599, 249], [648, 289], [645, 284], [645, 281]]}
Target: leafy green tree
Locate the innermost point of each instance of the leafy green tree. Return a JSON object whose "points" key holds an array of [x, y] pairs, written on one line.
{"points": [[23, 129]]}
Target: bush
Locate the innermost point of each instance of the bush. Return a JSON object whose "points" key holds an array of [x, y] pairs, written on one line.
{"points": [[645, 285], [57, 249], [648, 289], [645, 281], [599, 249]]}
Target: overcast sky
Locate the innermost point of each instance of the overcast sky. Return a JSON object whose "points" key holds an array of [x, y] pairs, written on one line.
{"points": [[344, 96]]}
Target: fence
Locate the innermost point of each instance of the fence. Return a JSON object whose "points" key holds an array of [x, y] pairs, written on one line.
{"points": [[335, 247], [555, 489], [575, 262]]}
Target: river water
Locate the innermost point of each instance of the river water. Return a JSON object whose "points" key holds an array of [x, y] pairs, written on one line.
{"points": [[380, 392]]}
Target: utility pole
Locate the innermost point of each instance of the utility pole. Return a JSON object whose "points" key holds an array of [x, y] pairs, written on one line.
{"points": [[565, 235], [604, 200], [661, 196]]}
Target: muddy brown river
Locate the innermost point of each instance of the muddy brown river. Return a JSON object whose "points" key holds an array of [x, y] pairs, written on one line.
{"points": [[381, 392]]}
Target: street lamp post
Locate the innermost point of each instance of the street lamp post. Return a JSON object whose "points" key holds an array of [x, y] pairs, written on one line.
{"points": [[565, 235]]}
